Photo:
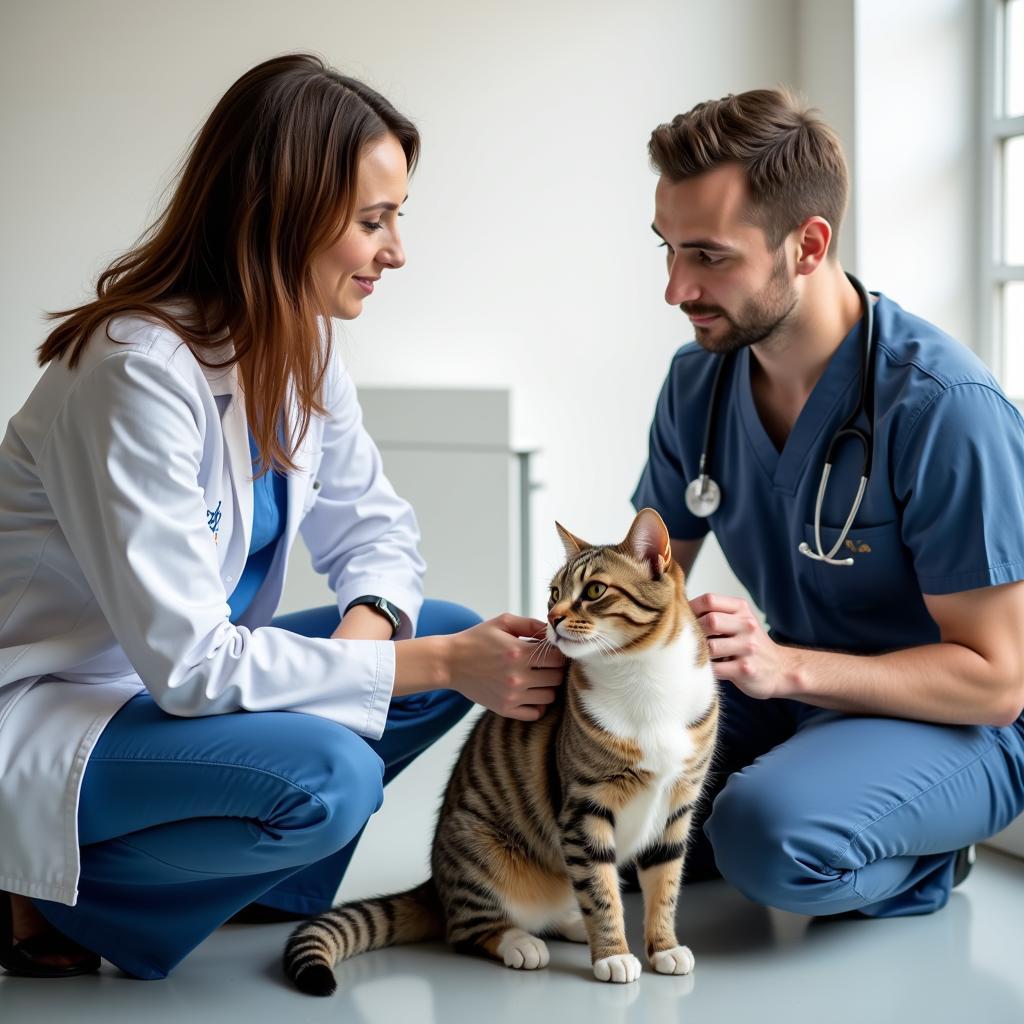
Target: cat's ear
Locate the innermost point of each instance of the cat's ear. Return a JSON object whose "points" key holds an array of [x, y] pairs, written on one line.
{"points": [[572, 544], [648, 540]]}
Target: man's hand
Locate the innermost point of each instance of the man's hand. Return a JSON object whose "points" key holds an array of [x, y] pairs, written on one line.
{"points": [[974, 676], [741, 651]]}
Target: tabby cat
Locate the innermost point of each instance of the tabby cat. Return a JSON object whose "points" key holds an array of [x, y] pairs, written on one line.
{"points": [[538, 816]]}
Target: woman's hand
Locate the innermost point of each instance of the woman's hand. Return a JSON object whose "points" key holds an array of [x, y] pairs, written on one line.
{"points": [[493, 665], [498, 664]]}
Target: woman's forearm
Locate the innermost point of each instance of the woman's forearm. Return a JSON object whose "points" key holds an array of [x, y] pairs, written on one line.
{"points": [[423, 663]]}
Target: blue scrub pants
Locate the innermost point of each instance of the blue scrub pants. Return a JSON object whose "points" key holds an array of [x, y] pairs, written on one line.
{"points": [[184, 821], [819, 812]]}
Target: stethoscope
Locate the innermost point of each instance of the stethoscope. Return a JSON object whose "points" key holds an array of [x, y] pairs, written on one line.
{"points": [[704, 496]]}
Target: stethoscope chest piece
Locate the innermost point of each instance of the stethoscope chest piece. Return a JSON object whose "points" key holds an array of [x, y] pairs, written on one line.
{"points": [[703, 496]]}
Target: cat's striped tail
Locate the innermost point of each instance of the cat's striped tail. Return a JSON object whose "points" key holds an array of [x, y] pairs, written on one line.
{"points": [[318, 945]]}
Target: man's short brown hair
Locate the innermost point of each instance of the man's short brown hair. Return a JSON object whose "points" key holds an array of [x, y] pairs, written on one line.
{"points": [[792, 159]]}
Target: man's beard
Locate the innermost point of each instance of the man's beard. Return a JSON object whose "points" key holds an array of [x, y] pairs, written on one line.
{"points": [[759, 319]]}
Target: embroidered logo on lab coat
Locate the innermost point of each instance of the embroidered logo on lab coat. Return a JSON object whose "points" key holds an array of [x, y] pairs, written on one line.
{"points": [[856, 546], [213, 521]]}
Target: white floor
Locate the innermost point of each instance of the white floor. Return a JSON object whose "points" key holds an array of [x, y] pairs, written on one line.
{"points": [[964, 964]]}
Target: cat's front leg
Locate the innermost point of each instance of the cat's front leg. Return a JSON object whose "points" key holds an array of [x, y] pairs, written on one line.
{"points": [[588, 847], [659, 871]]}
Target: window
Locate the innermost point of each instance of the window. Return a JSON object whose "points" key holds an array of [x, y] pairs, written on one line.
{"points": [[1001, 290]]}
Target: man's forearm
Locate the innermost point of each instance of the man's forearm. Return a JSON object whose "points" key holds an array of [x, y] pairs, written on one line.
{"points": [[944, 682]]}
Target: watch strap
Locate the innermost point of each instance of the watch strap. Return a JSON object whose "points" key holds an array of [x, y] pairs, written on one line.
{"points": [[380, 604]]}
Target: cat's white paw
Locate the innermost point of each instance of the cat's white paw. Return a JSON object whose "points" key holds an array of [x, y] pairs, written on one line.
{"points": [[573, 930], [523, 951], [678, 960], [621, 968]]}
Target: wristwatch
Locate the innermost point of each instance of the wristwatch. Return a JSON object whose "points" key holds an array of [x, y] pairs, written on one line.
{"points": [[382, 605]]}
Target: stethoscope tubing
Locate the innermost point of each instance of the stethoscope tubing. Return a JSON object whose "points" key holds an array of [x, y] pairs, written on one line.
{"points": [[703, 494]]}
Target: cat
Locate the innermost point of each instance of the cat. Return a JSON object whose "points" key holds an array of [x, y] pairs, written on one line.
{"points": [[538, 816]]}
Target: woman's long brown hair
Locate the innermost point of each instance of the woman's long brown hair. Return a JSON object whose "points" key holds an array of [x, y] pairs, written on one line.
{"points": [[269, 182]]}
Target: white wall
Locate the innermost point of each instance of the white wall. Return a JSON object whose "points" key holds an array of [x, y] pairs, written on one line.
{"points": [[531, 263]]}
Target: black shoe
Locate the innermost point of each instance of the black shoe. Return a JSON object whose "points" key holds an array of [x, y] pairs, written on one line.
{"points": [[24, 958], [845, 915], [963, 863], [256, 913]]}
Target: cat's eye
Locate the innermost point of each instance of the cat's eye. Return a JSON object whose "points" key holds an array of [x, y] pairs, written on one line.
{"points": [[594, 590], [553, 596]]}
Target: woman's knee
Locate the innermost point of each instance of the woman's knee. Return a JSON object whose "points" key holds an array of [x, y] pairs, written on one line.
{"points": [[439, 618], [436, 711], [338, 780], [315, 622]]}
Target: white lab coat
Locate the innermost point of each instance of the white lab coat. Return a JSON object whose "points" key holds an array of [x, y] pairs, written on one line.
{"points": [[125, 520]]}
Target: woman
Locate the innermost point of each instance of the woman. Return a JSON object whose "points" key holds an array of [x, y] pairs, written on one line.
{"points": [[189, 419]]}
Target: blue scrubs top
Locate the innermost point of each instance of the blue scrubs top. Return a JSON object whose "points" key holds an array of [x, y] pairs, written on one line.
{"points": [[269, 509], [943, 510]]}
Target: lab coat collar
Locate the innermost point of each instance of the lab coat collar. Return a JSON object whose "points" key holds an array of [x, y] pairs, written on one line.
{"points": [[223, 380]]}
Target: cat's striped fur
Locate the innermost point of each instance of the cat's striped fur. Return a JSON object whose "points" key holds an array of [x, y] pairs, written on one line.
{"points": [[538, 816]]}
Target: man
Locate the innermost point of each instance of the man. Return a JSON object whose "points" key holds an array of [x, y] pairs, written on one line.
{"points": [[875, 729]]}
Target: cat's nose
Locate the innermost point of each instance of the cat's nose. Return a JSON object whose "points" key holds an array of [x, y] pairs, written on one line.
{"points": [[555, 619]]}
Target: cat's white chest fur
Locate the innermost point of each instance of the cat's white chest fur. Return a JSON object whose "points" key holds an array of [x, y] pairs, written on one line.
{"points": [[650, 698]]}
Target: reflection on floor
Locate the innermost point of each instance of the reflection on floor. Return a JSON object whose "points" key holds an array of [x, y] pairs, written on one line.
{"points": [[962, 964]]}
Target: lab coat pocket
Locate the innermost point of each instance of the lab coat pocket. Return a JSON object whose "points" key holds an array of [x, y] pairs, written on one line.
{"points": [[881, 565]]}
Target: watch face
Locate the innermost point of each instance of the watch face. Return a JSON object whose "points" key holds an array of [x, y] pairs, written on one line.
{"points": [[386, 608]]}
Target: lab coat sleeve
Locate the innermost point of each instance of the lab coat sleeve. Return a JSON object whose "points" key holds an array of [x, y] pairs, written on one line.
{"points": [[360, 533], [959, 479], [121, 468]]}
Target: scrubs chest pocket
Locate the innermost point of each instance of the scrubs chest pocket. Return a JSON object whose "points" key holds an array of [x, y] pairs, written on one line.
{"points": [[881, 567]]}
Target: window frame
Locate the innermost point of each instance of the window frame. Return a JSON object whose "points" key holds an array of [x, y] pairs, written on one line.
{"points": [[995, 128]]}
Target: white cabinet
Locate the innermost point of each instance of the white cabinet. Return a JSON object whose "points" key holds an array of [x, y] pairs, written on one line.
{"points": [[447, 451]]}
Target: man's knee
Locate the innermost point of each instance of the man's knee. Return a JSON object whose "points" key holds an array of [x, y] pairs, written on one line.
{"points": [[764, 848]]}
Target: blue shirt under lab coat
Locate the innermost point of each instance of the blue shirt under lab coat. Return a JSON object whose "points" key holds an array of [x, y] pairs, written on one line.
{"points": [[943, 511], [269, 511]]}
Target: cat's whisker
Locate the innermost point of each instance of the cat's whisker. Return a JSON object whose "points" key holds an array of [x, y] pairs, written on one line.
{"points": [[607, 648], [542, 648]]}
